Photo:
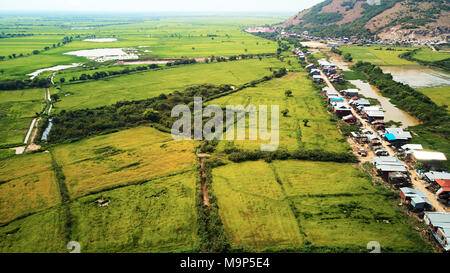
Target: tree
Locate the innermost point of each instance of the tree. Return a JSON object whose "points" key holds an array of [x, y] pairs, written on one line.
{"points": [[54, 97], [288, 93], [305, 122], [285, 112], [62, 80], [35, 52]]}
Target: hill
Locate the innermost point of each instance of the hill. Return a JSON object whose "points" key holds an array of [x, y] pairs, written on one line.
{"points": [[389, 19]]}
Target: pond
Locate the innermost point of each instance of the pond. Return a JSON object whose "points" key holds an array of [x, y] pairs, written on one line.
{"points": [[391, 111], [106, 54], [417, 76], [55, 68]]}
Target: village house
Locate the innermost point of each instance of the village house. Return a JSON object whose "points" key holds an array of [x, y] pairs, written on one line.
{"points": [[391, 169], [430, 160], [439, 224], [397, 137], [350, 119], [310, 67], [350, 92], [314, 72], [415, 198], [341, 109], [318, 79], [443, 192]]}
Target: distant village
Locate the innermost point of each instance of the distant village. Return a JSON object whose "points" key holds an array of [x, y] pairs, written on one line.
{"points": [[353, 40], [418, 174]]}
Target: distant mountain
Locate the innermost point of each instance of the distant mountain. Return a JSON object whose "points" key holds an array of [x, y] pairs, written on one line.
{"points": [[389, 19]]}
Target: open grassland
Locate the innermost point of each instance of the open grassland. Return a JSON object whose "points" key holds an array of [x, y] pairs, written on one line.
{"points": [[158, 216], [428, 55], [26, 45], [127, 157], [305, 103], [27, 184], [376, 56], [308, 206], [151, 84], [440, 95], [39, 233], [162, 38], [17, 109]]}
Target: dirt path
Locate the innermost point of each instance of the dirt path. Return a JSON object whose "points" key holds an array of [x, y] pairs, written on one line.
{"points": [[415, 180], [203, 178]]}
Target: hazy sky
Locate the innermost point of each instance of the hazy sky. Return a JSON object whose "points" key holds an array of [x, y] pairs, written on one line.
{"points": [[157, 5]]}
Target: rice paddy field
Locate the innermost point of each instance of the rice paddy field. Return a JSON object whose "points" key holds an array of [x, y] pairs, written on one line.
{"points": [[139, 190], [27, 184], [127, 157], [428, 55], [305, 103], [153, 83], [374, 55], [161, 37], [309, 205], [440, 95], [17, 109]]}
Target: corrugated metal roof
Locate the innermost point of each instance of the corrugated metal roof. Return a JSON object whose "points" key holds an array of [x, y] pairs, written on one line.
{"points": [[429, 156], [437, 175], [438, 219]]}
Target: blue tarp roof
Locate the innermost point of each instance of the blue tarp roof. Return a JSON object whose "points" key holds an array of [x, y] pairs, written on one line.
{"points": [[390, 137], [337, 99]]}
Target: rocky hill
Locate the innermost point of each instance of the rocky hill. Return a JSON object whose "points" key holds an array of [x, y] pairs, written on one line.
{"points": [[389, 19]]}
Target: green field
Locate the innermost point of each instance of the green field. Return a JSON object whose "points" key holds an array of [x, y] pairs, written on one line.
{"points": [[376, 56], [428, 55], [17, 109], [440, 95], [158, 216], [308, 205], [28, 182], [305, 103], [151, 84], [165, 38], [127, 157]]}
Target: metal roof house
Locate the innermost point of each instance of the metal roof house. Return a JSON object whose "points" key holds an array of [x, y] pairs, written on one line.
{"points": [[317, 78], [439, 223], [431, 160], [351, 92], [397, 136], [386, 165], [432, 176], [418, 199]]}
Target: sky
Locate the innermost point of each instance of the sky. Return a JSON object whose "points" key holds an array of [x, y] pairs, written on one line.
{"points": [[158, 5]]}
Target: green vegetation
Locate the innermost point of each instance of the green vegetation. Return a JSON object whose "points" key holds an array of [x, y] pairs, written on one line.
{"points": [[17, 109], [122, 158], [27, 182], [439, 95], [151, 84], [305, 103], [378, 55], [306, 206], [426, 56]]}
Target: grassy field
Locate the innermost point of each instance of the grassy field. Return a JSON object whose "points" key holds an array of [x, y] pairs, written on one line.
{"points": [[151, 84], [158, 216], [440, 95], [376, 56], [126, 157], [17, 109], [300, 205], [27, 184], [305, 103], [428, 55], [165, 38], [43, 232]]}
